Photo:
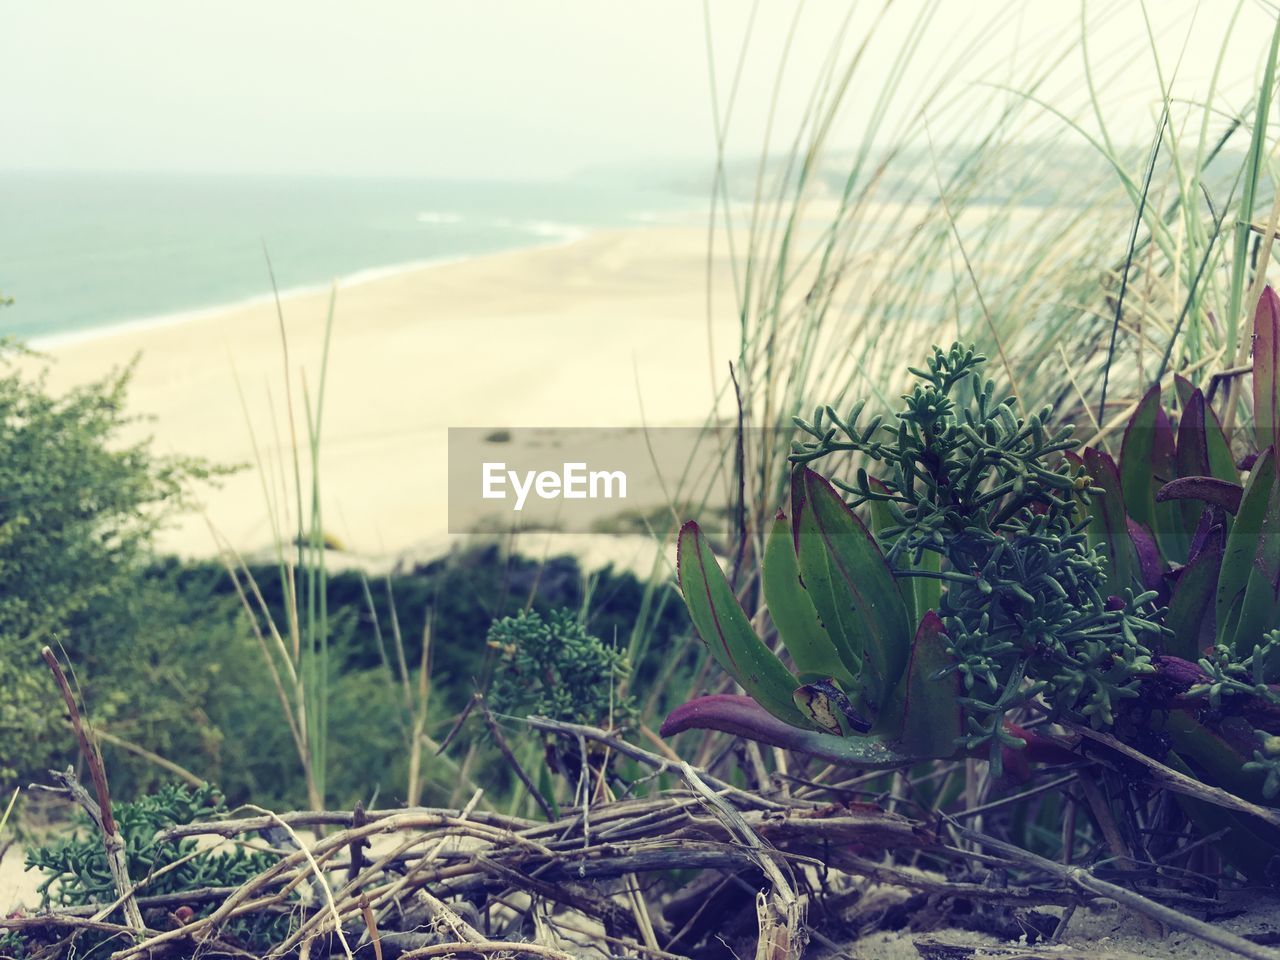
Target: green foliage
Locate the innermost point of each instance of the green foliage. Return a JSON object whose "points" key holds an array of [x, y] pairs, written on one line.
{"points": [[79, 506], [838, 606], [76, 872], [555, 668], [168, 664], [989, 492]]}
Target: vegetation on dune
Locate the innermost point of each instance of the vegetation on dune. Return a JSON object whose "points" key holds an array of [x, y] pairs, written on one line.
{"points": [[1141, 600], [79, 507], [555, 668], [76, 874], [1017, 646]]}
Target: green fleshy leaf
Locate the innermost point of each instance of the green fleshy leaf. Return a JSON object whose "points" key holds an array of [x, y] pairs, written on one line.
{"points": [[927, 718], [1260, 609], [1108, 530], [1243, 846], [1191, 605], [851, 583], [1202, 451], [812, 651], [1243, 545], [726, 630], [1147, 462]]}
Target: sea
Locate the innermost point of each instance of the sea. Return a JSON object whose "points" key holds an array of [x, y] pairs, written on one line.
{"points": [[81, 253]]}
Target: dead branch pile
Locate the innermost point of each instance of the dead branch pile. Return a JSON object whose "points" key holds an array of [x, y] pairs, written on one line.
{"points": [[638, 877]]}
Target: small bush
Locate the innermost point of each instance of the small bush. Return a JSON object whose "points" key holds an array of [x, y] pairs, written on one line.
{"points": [[555, 668], [77, 512]]}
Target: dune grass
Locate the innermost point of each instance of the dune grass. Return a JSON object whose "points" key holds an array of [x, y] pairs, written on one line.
{"points": [[1135, 265], [1008, 213], [1087, 261], [296, 652]]}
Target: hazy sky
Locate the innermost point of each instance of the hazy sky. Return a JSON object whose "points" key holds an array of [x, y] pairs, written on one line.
{"points": [[538, 87]]}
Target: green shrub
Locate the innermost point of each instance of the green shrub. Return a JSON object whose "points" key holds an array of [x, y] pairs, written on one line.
{"points": [[1140, 598], [555, 668], [78, 507], [76, 871]]}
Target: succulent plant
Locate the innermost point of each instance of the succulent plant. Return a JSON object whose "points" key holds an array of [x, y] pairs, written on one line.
{"points": [[862, 689], [1002, 565], [975, 591], [1181, 516]]}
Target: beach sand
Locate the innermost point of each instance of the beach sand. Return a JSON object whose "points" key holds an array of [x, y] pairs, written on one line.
{"points": [[607, 331]]}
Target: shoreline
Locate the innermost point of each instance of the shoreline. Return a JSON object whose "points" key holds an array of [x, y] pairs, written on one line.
{"points": [[140, 325], [605, 331]]}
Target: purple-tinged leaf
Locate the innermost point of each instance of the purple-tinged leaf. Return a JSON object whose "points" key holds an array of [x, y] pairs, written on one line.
{"points": [[1266, 364], [1036, 748], [743, 717], [1191, 606], [930, 719], [730, 713], [1262, 713], [1192, 454], [1147, 461], [1210, 518], [1108, 529], [1178, 672], [1183, 388], [1210, 490], [1202, 447], [1148, 554]]}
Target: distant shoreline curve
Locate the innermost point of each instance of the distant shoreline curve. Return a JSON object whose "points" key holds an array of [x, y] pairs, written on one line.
{"points": [[71, 338]]}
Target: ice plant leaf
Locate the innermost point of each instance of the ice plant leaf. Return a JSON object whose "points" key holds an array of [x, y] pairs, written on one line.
{"points": [[1243, 544], [1217, 755], [1146, 463], [1191, 606], [1202, 447], [1242, 846], [882, 519], [812, 651], [927, 590], [825, 592], [726, 630], [858, 589], [1183, 388], [1260, 608], [1266, 363], [1146, 552], [743, 717], [931, 714], [1210, 490], [1108, 530]]}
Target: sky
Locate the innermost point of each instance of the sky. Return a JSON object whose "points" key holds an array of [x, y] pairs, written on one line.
{"points": [[545, 88]]}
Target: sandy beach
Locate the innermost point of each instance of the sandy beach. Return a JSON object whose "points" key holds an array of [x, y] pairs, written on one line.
{"points": [[607, 331]]}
